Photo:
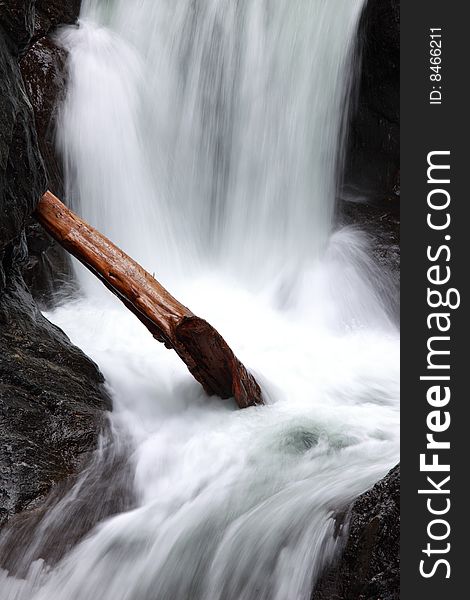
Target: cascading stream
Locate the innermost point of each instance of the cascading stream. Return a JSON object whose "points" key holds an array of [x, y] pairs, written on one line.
{"points": [[206, 132], [202, 137]]}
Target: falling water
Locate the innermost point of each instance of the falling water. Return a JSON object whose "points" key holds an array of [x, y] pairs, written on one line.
{"points": [[202, 137]]}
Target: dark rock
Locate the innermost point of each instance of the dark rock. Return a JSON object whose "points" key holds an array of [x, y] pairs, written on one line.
{"points": [[45, 76], [17, 23], [52, 13], [103, 488], [52, 399], [381, 220], [51, 402], [369, 567], [44, 73], [22, 176], [48, 270], [373, 154]]}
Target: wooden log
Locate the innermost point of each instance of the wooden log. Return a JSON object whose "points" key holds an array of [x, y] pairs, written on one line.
{"points": [[206, 354]]}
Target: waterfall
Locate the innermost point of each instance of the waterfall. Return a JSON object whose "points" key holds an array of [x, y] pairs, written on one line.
{"points": [[202, 136], [207, 131]]}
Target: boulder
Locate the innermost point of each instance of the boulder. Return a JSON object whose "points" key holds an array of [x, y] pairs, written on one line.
{"points": [[52, 402], [52, 13], [369, 567]]}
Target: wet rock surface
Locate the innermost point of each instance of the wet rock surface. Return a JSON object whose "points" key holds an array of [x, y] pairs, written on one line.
{"points": [[373, 152], [51, 402], [53, 527], [17, 24], [22, 176], [52, 13], [369, 567], [52, 397], [44, 72], [381, 220]]}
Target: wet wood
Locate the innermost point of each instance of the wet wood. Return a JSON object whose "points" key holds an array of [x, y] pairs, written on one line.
{"points": [[206, 354]]}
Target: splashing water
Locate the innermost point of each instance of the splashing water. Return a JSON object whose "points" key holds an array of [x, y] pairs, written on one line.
{"points": [[202, 137]]}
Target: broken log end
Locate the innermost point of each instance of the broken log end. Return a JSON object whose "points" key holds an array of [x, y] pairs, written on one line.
{"points": [[214, 364]]}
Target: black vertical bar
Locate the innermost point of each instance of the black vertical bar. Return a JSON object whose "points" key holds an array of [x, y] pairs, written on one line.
{"points": [[425, 128]]}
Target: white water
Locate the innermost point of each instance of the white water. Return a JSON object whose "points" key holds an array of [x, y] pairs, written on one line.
{"points": [[202, 137]]}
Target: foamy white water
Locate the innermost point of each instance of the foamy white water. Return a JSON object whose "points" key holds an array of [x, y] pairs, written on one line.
{"points": [[203, 138]]}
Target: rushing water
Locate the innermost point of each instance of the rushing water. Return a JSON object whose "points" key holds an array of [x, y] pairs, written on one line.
{"points": [[203, 137]]}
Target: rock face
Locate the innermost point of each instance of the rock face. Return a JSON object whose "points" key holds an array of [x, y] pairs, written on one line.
{"points": [[373, 153], [52, 13], [17, 24], [369, 196], [52, 399], [51, 402], [381, 221], [44, 71], [22, 176], [369, 567]]}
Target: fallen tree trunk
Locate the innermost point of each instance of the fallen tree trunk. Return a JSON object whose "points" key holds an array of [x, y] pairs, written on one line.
{"points": [[206, 354]]}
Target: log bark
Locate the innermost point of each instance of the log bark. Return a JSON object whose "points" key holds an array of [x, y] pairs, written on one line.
{"points": [[206, 354]]}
